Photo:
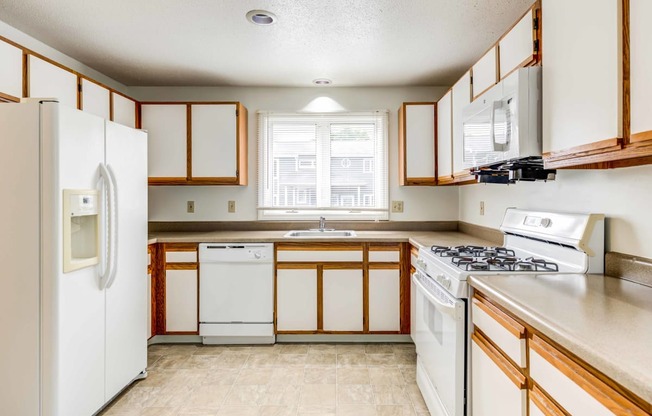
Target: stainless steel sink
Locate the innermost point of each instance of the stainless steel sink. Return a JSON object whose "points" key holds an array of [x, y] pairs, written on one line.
{"points": [[320, 233]]}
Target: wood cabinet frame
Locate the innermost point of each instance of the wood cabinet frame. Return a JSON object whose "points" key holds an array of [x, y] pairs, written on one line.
{"points": [[241, 176], [498, 358], [365, 265], [616, 152]]}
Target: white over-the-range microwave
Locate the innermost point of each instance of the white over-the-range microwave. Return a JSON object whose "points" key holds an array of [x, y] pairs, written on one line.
{"points": [[505, 122]]}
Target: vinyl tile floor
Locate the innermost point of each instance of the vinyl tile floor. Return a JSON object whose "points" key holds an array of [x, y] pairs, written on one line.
{"points": [[275, 380]]}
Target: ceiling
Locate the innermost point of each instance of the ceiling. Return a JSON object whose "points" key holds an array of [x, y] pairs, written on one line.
{"points": [[210, 42]]}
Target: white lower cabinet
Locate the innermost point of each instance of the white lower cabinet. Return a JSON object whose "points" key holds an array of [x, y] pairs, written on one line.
{"points": [[296, 299], [384, 300], [342, 300], [497, 387], [181, 307]]}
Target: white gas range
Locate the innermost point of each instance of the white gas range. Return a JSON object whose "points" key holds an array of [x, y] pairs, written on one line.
{"points": [[534, 242]]}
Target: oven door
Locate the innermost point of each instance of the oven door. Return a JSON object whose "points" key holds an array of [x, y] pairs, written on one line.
{"points": [[439, 339]]}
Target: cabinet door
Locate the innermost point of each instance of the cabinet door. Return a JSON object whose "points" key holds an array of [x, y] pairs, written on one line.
{"points": [[417, 144], [497, 387], [582, 79], [214, 141], [50, 81], [95, 99], [296, 299], [461, 98], [124, 110], [342, 300], [11, 72], [516, 48], [485, 73], [640, 69], [384, 300], [166, 126], [181, 301], [444, 140]]}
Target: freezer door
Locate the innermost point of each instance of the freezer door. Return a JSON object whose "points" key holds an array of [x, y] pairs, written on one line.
{"points": [[126, 296], [72, 303]]}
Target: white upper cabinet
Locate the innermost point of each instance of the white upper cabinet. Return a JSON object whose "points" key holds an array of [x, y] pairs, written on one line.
{"points": [[485, 74], [461, 98], [124, 110], [95, 99], [417, 144], [50, 81], [517, 47], [582, 77], [444, 139], [214, 140], [11, 71], [641, 68], [166, 125]]}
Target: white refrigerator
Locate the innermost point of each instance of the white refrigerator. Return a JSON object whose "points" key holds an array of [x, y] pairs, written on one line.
{"points": [[73, 261]]}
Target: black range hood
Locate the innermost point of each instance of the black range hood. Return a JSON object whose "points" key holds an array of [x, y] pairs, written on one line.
{"points": [[528, 169]]}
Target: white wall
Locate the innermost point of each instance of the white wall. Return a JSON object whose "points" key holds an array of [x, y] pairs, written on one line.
{"points": [[623, 195], [169, 203], [35, 45]]}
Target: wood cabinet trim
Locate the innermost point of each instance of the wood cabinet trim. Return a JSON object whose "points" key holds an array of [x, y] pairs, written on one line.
{"points": [[501, 317], [625, 68], [595, 387], [156, 181], [633, 154], [544, 403], [505, 366], [402, 151], [640, 137], [180, 246], [365, 288], [602, 146], [384, 265], [404, 288], [8, 97], [296, 266], [189, 142], [312, 246], [181, 266], [242, 117], [384, 246]]}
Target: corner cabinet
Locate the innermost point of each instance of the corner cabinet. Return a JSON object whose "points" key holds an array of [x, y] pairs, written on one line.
{"points": [[196, 143], [416, 143]]}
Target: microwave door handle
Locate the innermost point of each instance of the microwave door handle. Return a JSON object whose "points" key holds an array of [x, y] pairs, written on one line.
{"points": [[498, 147]]}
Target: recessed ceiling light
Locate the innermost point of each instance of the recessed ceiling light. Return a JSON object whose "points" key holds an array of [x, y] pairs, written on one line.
{"points": [[322, 81], [261, 17]]}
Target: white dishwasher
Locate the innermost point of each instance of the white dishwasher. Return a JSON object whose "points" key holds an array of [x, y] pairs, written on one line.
{"points": [[236, 293]]}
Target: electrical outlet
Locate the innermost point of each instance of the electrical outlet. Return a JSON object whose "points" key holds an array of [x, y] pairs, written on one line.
{"points": [[231, 206], [190, 207], [397, 206], [481, 207]]}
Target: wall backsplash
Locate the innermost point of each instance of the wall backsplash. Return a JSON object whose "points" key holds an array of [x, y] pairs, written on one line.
{"points": [[169, 203], [623, 195]]}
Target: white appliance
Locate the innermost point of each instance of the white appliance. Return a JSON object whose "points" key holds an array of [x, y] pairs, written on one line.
{"points": [[73, 286], [534, 242], [505, 122], [236, 293]]}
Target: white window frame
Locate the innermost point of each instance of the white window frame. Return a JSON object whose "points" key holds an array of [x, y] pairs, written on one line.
{"points": [[380, 165]]}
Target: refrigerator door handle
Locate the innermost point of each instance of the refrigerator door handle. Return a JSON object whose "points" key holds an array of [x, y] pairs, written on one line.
{"points": [[109, 248], [113, 231]]}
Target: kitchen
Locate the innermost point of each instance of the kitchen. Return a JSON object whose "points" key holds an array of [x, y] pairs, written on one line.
{"points": [[616, 193]]}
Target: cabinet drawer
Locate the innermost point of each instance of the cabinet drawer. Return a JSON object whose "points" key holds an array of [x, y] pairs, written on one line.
{"points": [[384, 256], [181, 257], [578, 391], [319, 255], [500, 328], [498, 387]]}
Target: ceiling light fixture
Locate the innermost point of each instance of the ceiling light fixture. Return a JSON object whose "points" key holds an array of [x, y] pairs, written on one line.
{"points": [[322, 81], [261, 17]]}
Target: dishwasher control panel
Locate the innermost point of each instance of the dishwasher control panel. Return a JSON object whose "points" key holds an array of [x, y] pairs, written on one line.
{"points": [[236, 252]]}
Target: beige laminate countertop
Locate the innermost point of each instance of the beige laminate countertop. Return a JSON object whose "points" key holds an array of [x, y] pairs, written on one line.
{"points": [[417, 238], [603, 320]]}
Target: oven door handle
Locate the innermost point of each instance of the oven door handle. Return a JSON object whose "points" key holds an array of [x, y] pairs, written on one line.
{"points": [[444, 307]]}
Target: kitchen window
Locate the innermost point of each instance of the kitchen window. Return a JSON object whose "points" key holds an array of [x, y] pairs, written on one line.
{"points": [[331, 165]]}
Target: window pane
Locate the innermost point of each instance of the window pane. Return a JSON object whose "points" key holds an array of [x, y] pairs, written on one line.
{"points": [[294, 156], [352, 149]]}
